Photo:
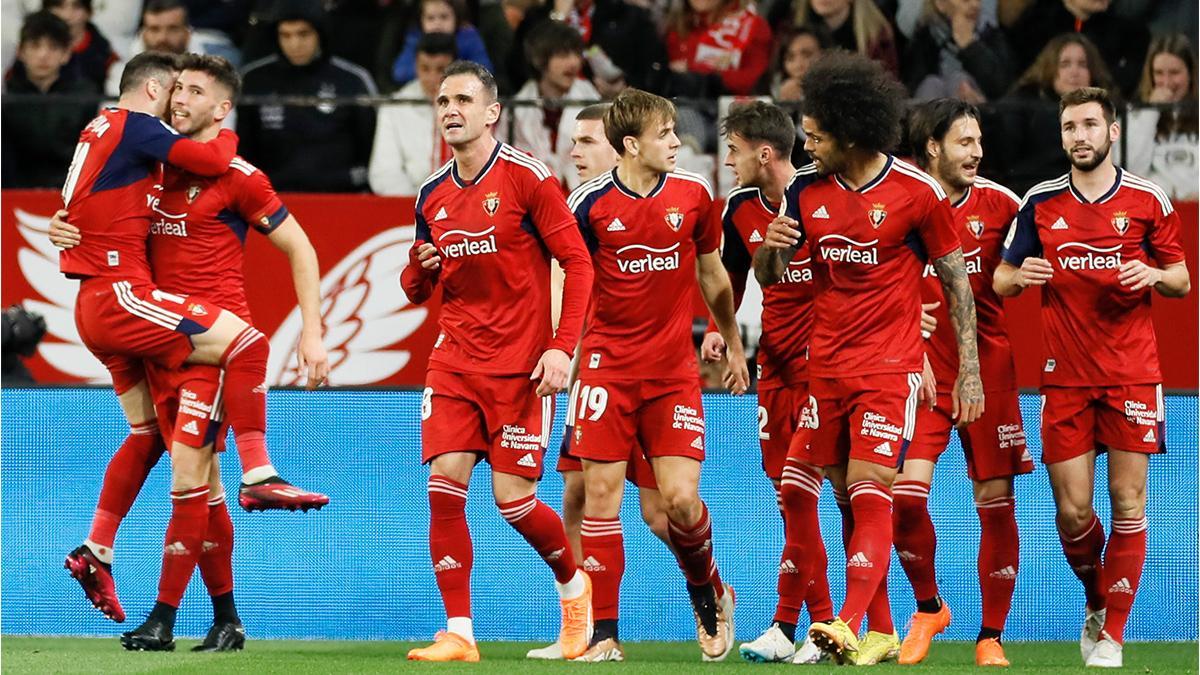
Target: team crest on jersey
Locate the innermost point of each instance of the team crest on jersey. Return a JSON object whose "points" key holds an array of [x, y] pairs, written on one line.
{"points": [[674, 218], [192, 193], [876, 215], [1120, 221], [975, 225], [197, 310], [491, 203]]}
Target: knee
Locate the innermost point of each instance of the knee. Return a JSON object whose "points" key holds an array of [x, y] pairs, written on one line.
{"points": [[1128, 501], [1072, 517], [682, 507], [189, 467]]}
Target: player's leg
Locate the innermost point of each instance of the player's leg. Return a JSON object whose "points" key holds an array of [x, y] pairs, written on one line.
{"points": [[604, 554], [1125, 555], [916, 545], [216, 569], [998, 563], [654, 513], [572, 518]]}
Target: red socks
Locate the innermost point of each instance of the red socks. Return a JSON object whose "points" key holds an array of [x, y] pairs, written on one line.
{"points": [[185, 535], [693, 548], [450, 544], [998, 559], [915, 538], [127, 471], [800, 490], [604, 561], [245, 391], [870, 546], [543, 529], [1123, 561], [1083, 551], [216, 552]]}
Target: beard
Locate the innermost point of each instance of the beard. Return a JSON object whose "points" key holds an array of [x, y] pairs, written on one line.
{"points": [[951, 172], [1099, 154]]}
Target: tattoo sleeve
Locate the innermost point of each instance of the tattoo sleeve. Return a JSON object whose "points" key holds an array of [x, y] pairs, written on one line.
{"points": [[952, 273], [770, 264]]}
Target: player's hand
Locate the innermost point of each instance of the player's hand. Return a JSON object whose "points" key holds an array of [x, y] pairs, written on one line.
{"points": [[1138, 275], [553, 369], [928, 320], [428, 257], [966, 399], [63, 234], [713, 348], [928, 391], [1034, 272], [737, 374], [782, 233], [313, 360]]}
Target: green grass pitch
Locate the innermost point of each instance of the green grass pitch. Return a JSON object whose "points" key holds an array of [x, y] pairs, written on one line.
{"points": [[105, 655]]}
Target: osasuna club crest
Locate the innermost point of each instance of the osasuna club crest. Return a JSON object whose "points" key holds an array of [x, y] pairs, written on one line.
{"points": [[192, 193], [674, 218], [975, 225], [1120, 221], [491, 203], [876, 214]]}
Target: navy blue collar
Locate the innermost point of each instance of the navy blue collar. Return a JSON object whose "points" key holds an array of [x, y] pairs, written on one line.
{"points": [[662, 180], [1104, 197], [458, 180]]}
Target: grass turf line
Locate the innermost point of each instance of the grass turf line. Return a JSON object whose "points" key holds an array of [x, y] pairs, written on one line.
{"points": [[298, 657]]}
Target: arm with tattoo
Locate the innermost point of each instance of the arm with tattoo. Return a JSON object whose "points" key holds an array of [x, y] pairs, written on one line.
{"points": [[968, 391]]}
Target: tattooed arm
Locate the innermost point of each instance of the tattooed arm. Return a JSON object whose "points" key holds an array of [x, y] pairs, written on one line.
{"points": [[967, 395], [779, 247]]}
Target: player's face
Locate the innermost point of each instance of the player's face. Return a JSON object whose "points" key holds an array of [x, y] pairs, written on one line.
{"points": [[563, 69], [1170, 74], [657, 146], [197, 103], [465, 109], [437, 17], [959, 153], [1087, 136], [1073, 72], [430, 69], [43, 58], [166, 31], [299, 42], [591, 151], [826, 155], [747, 160]]}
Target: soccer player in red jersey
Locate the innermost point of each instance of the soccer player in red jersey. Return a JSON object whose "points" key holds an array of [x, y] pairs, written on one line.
{"points": [[652, 231], [946, 141], [195, 247], [124, 320], [594, 156], [871, 221], [487, 224], [1096, 241]]}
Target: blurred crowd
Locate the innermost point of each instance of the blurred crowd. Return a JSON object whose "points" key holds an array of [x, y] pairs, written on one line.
{"points": [[1012, 57]]}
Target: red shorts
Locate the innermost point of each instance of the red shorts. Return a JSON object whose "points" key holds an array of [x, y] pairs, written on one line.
{"points": [[1076, 420], [188, 402], [619, 418], [994, 444], [500, 417], [123, 325], [638, 471], [869, 418], [779, 413]]}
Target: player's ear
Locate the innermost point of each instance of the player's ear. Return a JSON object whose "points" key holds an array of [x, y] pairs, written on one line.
{"points": [[223, 110], [493, 113], [932, 148], [631, 145], [1114, 132]]}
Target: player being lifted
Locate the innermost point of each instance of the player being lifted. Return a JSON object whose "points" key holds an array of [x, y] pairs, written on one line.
{"points": [[652, 232], [1097, 240], [945, 139], [871, 221], [487, 223], [123, 320], [593, 156], [196, 247], [759, 138]]}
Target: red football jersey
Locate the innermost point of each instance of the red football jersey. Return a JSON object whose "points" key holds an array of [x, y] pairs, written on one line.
{"points": [[109, 188], [981, 218], [1095, 332], [495, 274], [199, 230], [786, 306], [868, 248], [644, 250]]}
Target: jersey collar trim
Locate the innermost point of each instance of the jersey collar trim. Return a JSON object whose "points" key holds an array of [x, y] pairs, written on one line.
{"points": [[963, 199], [1103, 198], [662, 180], [766, 204], [887, 168], [486, 168]]}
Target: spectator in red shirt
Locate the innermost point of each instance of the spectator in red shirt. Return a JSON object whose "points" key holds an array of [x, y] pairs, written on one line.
{"points": [[722, 37]]}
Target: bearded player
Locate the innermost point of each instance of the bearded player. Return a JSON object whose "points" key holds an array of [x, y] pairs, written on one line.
{"points": [[1096, 241]]}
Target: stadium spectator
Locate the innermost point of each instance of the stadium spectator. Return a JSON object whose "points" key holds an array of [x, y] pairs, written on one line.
{"points": [[952, 54], [39, 138], [1068, 62], [1121, 42], [227, 16], [440, 16], [166, 27], [322, 148], [91, 53], [854, 25], [911, 13], [723, 37], [556, 52], [1160, 141], [797, 52], [408, 141]]}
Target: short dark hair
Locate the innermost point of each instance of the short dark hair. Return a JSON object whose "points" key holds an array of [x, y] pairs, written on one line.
{"points": [[594, 111], [932, 119], [44, 25], [759, 121], [476, 70], [217, 67], [629, 114], [855, 100], [438, 44], [51, 4], [148, 66], [1089, 95], [549, 40], [160, 6]]}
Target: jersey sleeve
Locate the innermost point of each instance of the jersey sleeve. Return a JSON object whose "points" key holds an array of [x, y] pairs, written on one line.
{"points": [[554, 222], [581, 208], [791, 203], [548, 208], [1022, 240], [258, 204], [707, 234], [1163, 240], [734, 255], [936, 228], [154, 139]]}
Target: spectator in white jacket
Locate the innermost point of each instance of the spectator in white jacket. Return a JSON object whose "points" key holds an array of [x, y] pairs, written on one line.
{"points": [[556, 52], [408, 143], [166, 28]]}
